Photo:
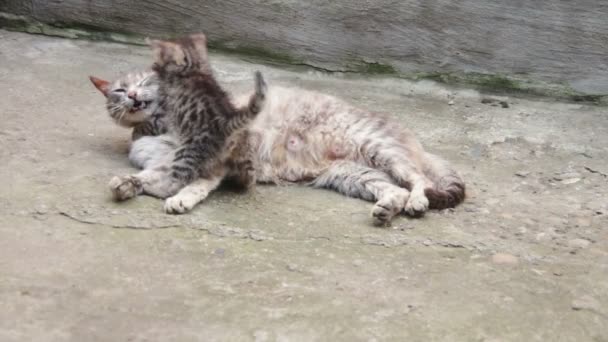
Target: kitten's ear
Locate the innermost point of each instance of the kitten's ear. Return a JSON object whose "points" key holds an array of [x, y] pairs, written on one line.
{"points": [[199, 41], [165, 52], [156, 46], [153, 43], [102, 85]]}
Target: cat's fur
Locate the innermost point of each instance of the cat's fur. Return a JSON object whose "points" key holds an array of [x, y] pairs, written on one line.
{"points": [[201, 117], [132, 101], [308, 137]]}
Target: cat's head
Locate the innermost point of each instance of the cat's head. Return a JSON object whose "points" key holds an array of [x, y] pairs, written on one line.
{"points": [[183, 55], [130, 99]]}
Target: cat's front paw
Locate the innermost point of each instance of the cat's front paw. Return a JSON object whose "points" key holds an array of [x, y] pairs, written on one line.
{"points": [[417, 205], [179, 204], [124, 188]]}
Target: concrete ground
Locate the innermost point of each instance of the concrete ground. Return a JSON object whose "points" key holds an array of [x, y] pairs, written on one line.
{"points": [[525, 258]]}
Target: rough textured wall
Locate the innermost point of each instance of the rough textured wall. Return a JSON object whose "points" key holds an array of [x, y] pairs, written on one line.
{"points": [[555, 41]]}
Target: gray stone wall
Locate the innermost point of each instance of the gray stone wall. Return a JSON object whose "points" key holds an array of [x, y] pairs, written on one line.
{"points": [[553, 41]]}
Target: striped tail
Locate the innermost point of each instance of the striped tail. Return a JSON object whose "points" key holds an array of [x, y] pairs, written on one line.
{"points": [[254, 107], [448, 190]]}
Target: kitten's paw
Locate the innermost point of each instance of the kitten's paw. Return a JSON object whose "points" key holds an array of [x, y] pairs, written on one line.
{"points": [[124, 188], [417, 205], [388, 206], [179, 204]]}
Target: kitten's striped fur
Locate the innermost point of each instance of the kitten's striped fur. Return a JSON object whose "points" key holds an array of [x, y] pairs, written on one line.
{"points": [[201, 117]]}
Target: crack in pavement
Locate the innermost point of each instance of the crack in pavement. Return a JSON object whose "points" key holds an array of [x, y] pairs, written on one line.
{"points": [[388, 241], [77, 219]]}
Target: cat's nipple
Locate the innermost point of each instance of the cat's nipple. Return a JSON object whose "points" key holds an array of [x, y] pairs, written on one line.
{"points": [[294, 143]]}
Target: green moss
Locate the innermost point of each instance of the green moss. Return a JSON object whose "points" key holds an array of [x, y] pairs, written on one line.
{"points": [[484, 82], [376, 69], [65, 30], [498, 83], [597, 99], [509, 85]]}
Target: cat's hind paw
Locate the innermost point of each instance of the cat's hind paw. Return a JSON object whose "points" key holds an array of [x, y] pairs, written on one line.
{"points": [[417, 205], [388, 206], [124, 188]]}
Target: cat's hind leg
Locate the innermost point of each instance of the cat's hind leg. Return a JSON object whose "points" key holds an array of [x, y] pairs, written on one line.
{"points": [[406, 173], [360, 181]]}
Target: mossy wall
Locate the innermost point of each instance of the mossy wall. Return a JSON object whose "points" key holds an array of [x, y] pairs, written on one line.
{"points": [[555, 48]]}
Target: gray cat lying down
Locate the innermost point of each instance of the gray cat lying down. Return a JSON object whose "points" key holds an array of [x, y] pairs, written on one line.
{"points": [[305, 137]]}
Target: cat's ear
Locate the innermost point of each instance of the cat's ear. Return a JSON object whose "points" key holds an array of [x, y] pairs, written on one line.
{"points": [[165, 52], [153, 43], [156, 46], [199, 41], [102, 85]]}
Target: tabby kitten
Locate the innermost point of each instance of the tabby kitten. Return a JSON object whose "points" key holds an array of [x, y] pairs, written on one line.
{"points": [[201, 116]]}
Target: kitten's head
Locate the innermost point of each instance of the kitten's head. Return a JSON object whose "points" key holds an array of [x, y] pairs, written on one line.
{"points": [[181, 56], [131, 99]]}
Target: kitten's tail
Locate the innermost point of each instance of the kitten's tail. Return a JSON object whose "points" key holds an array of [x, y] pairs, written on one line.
{"points": [[255, 106], [449, 189]]}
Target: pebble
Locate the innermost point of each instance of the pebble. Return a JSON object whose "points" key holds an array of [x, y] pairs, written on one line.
{"points": [[492, 201], [583, 222], [495, 102], [579, 243], [571, 181], [566, 175], [585, 302], [505, 259], [451, 103], [522, 174], [292, 267]]}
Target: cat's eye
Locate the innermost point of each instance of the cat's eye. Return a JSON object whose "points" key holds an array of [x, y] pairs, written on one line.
{"points": [[120, 90]]}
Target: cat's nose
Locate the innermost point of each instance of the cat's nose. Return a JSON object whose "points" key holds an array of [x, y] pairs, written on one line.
{"points": [[132, 95]]}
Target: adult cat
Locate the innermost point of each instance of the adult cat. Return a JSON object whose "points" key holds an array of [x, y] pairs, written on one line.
{"points": [[307, 137]]}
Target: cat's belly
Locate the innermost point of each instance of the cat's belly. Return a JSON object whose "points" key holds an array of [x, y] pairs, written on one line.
{"points": [[297, 156]]}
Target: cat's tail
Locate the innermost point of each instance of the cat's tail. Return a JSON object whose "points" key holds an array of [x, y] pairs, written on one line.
{"points": [[448, 190], [253, 108]]}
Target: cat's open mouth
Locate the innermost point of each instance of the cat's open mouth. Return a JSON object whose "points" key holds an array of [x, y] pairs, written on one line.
{"points": [[139, 105]]}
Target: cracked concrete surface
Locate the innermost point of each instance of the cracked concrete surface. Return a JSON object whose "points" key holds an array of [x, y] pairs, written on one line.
{"points": [[525, 258]]}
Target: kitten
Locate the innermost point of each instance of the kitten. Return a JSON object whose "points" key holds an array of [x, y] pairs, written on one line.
{"points": [[201, 116], [308, 137]]}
